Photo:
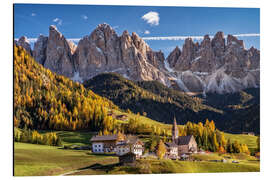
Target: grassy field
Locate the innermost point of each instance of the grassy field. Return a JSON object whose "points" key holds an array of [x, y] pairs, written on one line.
{"points": [[250, 141], [143, 119], [172, 166], [80, 138], [38, 160], [229, 157]]}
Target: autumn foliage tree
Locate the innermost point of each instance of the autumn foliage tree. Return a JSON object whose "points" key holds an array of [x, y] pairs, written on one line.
{"points": [[161, 149], [44, 100]]}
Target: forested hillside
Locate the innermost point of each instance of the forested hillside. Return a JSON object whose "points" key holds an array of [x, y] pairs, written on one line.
{"points": [[44, 100], [161, 103]]}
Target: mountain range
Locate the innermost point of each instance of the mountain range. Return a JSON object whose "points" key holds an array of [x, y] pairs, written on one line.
{"points": [[219, 65]]}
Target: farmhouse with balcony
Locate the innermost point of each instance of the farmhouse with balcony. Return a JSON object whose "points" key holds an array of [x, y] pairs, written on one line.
{"points": [[119, 144], [130, 144], [105, 143]]}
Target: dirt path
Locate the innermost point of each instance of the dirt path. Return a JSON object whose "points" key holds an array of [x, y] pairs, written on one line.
{"points": [[71, 172]]}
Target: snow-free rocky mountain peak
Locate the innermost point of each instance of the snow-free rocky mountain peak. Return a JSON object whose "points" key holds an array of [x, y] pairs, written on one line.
{"points": [[214, 65], [218, 65]]}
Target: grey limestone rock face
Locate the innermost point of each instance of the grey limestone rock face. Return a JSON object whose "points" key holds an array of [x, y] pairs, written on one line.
{"points": [[59, 54], [23, 41], [104, 51], [220, 67], [221, 64], [40, 47]]}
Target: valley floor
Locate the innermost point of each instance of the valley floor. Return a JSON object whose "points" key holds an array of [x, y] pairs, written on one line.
{"points": [[41, 160]]}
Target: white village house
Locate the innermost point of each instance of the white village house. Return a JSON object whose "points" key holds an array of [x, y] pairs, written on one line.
{"points": [[130, 144], [172, 150], [105, 143], [118, 144]]}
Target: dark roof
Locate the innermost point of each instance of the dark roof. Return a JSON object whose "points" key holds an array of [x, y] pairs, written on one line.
{"points": [[128, 154], [170, 144], [104, 138], [129, 139], [184, 140], [122, 115]]}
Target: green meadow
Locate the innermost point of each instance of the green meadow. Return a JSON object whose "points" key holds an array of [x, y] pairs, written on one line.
{"points": [[39, 160], [249, 140], [146, 166]]}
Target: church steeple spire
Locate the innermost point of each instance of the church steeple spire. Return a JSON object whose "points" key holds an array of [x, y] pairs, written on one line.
{"points": [[174, 131]]}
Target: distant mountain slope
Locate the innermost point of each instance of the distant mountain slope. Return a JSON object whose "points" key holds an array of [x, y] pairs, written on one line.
{"points": [[242, 109], [162, 103]]}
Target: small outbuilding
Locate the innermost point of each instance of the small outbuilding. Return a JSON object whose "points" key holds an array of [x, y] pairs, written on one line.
{"points": [[127, 158], [249, 133], [122, 117]]}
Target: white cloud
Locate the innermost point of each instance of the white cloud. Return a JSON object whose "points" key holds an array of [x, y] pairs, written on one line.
{"points": [[146, 32], [177, 38], [30, 40], [151, 18], [84, 17], [247, 35], [115, 27], [33, 14], [58, 21]]}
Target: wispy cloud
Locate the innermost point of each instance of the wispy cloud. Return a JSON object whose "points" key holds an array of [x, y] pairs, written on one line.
{"points": [[33, 40], [115, 27], [146, 32], [177, 38], [30, 40], [247, 35], [151, 18], [33, 14], [84, 17], [58, 21]]}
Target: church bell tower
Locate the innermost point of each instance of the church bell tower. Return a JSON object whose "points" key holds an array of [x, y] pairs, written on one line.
{"points": [[174, 132]]}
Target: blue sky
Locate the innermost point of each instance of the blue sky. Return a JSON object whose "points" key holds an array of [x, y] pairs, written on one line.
{"points": [[76, 21]]}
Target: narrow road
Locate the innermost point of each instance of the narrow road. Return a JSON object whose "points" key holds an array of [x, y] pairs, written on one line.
{"points": [[71, 172]]}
